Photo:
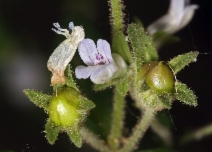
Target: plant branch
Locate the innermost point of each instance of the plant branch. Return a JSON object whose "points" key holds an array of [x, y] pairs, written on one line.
{"points": [[93, 140], [117, 120], [139, 130], [197, 134], [116, 16]]}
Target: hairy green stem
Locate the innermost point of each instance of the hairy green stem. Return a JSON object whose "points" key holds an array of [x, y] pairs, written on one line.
{"points": [[117, 120], [119, 43], [197, 134], [94, 140], [116, 15], [139, 130]]}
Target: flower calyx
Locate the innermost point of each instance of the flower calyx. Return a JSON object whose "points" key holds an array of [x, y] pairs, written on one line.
{"points": [[67, 109]]}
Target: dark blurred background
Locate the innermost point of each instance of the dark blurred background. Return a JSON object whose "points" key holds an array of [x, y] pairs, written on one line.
{"points": [[26, 42]]}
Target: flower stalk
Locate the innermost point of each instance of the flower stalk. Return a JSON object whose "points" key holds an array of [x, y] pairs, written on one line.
{"points": [[117, 120], [139, 130]]}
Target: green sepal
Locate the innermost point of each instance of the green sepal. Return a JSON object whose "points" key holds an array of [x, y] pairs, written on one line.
{"points": [[138, 21], [166, 100], [153, 100], [179, 62], [75, 135], [122, 87], [86, 104], [184, 94], [161, 39], [120, 46], [109, 84], [69, 80], [38, 98], [143, 48], [52, 131], [150, 98]]}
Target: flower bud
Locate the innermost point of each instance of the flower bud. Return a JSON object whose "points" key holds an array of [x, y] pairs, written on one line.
{"points": [[63, 108], [160, 78]]}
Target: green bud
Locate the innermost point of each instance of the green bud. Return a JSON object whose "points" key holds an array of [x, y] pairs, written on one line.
{"points": [[160, 78], [63, 108]]}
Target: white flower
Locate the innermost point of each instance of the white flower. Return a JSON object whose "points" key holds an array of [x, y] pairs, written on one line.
{"points": [[178, 16], [64, 53], [101, 65]]}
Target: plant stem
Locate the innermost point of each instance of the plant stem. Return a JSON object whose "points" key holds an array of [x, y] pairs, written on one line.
{"points": [[197, 134], [119, 43], [117, 120], [139, 130], [163, 132], [93, 140], [116, 15]]}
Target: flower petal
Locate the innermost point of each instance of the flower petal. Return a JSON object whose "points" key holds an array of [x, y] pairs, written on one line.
{"points": [[187, 15], [166, 23], [104, 50], [88, 52], [83, 72], [103, 73], [176, 7]]}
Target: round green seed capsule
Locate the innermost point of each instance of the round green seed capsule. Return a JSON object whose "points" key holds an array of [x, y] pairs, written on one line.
{"points": [[63, 107], [160, 78]]}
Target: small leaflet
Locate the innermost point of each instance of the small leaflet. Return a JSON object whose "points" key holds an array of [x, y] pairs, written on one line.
{"points": [[64, 53]]}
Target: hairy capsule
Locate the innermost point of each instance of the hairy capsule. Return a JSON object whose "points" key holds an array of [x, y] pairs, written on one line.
{"points": [[160, 78], [63, 108]]}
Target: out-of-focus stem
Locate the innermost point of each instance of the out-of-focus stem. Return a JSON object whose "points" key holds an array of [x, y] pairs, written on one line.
{"points": [[93, 140], [162, 132], [197, 134]]}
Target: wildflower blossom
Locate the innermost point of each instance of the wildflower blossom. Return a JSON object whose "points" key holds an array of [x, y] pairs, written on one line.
{"points": [[179, 15], [101, 65], [64, 53]]}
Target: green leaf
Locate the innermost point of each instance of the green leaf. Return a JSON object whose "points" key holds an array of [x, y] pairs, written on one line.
{"points": [[120, 46], [52, 131], [179, 62], [161, 38], [38, 98], [143, 48], [75, 135], [86, 104], [185, 95]]}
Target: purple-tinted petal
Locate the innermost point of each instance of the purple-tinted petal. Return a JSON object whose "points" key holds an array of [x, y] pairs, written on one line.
{"points": [[176, 7], [87, 51], [104, 50], [166, 23], [103, 73], [187, 15], [83, 72]]}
